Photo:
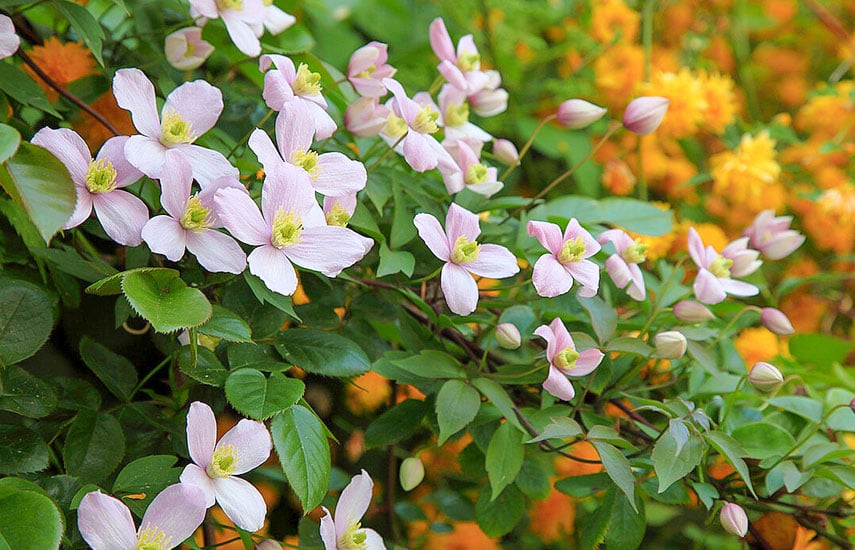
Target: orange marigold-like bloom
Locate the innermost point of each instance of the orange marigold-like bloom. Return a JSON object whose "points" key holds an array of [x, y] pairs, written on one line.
{"points": [[831, 220], [466, 536], [685, 91], [369, 392], [617, 178], [612, 17], [804, 310], [63, 63], [758, 344], [721, 101], [747, 177], [553, 519], [566, 467], [828, 113], [93, 132], [617, 71], [719, 52]]}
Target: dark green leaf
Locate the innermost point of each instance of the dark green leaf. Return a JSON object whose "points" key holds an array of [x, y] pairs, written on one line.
{"points": [[595, 528], [20, 87], [559, 428], [207, 370], [21, 451], [456, 406], [394, 261], [94, 446], [28, 519], [117, 373], [499, 397], [258, 397], [265, 295], [627, 524], [618, 468], [630, 345], [322, 352], [731, 450], [145, 476], [584, 486], [24, 394], [603, 317], [26, 320], [498, 516], [163, 299], [301, 442], [504, 457], [431, 364], [396, 424], [226, 325], [84, 25]]}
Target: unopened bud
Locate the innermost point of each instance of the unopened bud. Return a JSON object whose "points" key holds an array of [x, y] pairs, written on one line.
{"points": [[185, 49], [765, 377], [852, 404], [733, 519], [268, 544], [692, 312], [575, 114], [776, 321], [412, 473], [506, 152], [643, 115], [670, 344], [508, 336]]}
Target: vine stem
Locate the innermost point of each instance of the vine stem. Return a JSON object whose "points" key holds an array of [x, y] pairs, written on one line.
{"points": [[386, 153]]}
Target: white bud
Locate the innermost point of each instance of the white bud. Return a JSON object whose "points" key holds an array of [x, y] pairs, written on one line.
{"points": [[412, 473], [733, 519], [645, 114], [508, 336], [776, 321], [765, 377], [575, 114], [670, 344], [692, 312]]}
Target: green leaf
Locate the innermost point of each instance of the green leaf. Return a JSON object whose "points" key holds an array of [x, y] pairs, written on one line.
{"points": [[301, 442], [117, 373], [94, 446], [584, 486], [112, 283], [394, 261], [821, 350], [68, 260], [801, 405], [321, 352], [403, 229], [19, 86], [706, 492], [457, 403], [431, 364], [40, 183], [9, 141], [636, 216], [259, 398], [763, 439], [265, 295], [163, 299], [396, 424], [618, 468], [226, 325], [595, 528], [504, 458], [608, 434], [26, 320], [533, 478], [626, 525], [207, 370], [603, 317], [84, 25], [731, 450], [672, 466], [147, 476], [627, 344], [559, 428], [29, 520], [498, 516], [24, 394], [497, 395], [23, 451]]}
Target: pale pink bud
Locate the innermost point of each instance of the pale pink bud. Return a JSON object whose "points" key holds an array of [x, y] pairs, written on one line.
{"points": [[733, 519], [506, 152], [772, 236], [185, 49], [643, 115], [776, 321], [765, 377], [670, 344], [412, 473], [365, 117], [692, 312], [574, 114], [508, 336]]}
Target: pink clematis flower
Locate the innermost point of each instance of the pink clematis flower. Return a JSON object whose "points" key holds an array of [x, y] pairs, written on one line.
{"points": [[216, 463], [713, 283], [772, 236], [366, 117], [622, 267], [457, 247], [289, 228], [287, 83], [172, 517], [190, 223], [564, 359], [9, 41], [345, 531], [99, 183], [244, 20], [454, 116], [491, 99], [332, 174], [470, 173], [367, 69], [744, 259], [185, 50], [462, 69], [190, 110], [276, 20], [554, 272]]}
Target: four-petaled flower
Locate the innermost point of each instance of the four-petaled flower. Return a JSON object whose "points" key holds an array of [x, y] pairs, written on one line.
{"points": [[772, 236], [622, 267], [244, 20], [713, 282], [288, 83], [216, 463], [367, 69], [564, 359], [457, 247], [461, 68], [554, 272], [345, 531]]}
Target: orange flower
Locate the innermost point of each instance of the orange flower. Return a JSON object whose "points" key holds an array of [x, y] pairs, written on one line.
{"points": [[831, 219], [567, 467], [610, 17], [466, 536], [367, 393], [63, 63], [553, 519], [93, 132], [758, 344], [617, 72], [617, 178]]}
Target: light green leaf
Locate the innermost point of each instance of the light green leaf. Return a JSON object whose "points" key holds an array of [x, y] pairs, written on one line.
{"points": [[145, 476], [26, 320], [763, 439], [84, 25], [396, 424], [626, 344], [671, 466], [497, 395], [504, 457], [498, 516], [457, 403], [23, 451], [607, 434], [259, 398], [117, 373], [226, 325], [636, 216], [707, 493], [432, 364], [731, 450], [9, 141], [394, 261], [29, 520], [584, 486], [94, 446], [321, 352], [19, 86], [301, 442], [163, 299], [112, 283], [24, 394], [603, 317], [559, 428], [618, 468]]}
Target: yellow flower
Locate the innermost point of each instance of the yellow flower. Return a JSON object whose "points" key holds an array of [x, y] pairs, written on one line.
{"points": [[758, 344], [721, 101], [610, 17], [688, 104], [828, 113], [63, 63], [617, 71], [747, 177], [368, 393], [830, 221]]}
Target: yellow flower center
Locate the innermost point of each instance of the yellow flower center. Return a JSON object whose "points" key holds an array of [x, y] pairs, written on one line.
{"points": [[720, 267], [635, 253], [566, 358], [308, 161], [395, 126], [152, 538], [457, 115], [425, 121], [267, 2], [175, 130], [465, 251], [287, 228], [307, 82], [196, 217], [352, 538], [229, 5], [468, 61], [572, 251], [191, 49], [367, 72], [223, 463], [100, 176], [337, 215], [477, 173]]}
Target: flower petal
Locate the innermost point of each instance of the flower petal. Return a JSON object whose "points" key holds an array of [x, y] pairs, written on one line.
{"points": [[353, 502], [586, 272], [575, 230], [122, 216], [418, 152], [339, 175], [288, 188], [272, 266], [196, 102], [241, 502], [328, 530], [558, 385], [295, 129], [325, 126], [433, 236], [146, 154], [197, 476], [263, 147], [373, 540], [707, 288], [548, 234], [461, 222], [113, 151], [208, 165], [177, 512], [459, 289], [440, 40], [696, 248], [328, 249], [561, 338], [82, 207], [586, 363], [175, 183], [738, 288], [493, 261], [550, 279], [240, 215], [69, 148], [164, 235], [216, 252], [241, 34], [251, 442], [105, 522], [636, 289], [201, 433], [135, 92]]}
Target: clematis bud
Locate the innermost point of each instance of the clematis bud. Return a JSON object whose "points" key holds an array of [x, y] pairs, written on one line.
{"points": [[185, 49], [776, 321], [412, 473], [508, 336], [643, 115], [670, 344], [506, 152], [268, 544], [365, 117], [772, 236], [733, 519], [575, 114], [692, 312], [765, 377]]}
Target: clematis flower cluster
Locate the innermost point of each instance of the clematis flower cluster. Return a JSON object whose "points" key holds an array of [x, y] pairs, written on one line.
{"points": [[565, 360], [713, 282], [245, 20]]}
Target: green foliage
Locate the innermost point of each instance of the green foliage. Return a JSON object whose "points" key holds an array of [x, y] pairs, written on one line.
{"points": [[28, 518], [165, 301], [300, 441], [457, 403], [94, 446], [259, 397], [321, 352]]}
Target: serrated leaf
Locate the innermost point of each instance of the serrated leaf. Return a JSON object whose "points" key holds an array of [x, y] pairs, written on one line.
{"points": [[457, 403], [672, 464], [504, 458], [731, 450], [258, 397], [112, 284], [265, 295], [226, 325], [618, 468], [94, 446], [626, 525], [26, 319], [24, 394], [117, 373], [207, 369], [301, 442], [28, 519], [165, 301], [594, 530], [19, 86], [23, 451], [396, 424], [321, 352]]}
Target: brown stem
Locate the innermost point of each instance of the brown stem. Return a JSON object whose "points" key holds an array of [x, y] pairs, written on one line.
{"points": [[760, 540], [208, 536]]}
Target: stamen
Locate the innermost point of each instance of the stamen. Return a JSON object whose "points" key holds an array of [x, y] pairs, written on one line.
{"points": [[287, 229], [465, 251], [101, 176], [572, 251]]}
